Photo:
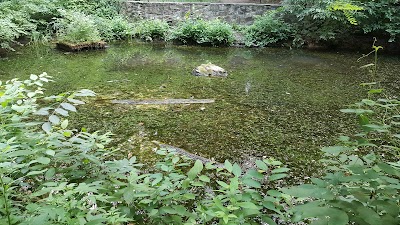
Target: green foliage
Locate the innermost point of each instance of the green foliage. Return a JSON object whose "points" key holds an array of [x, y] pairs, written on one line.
{"points": [[150, 30], [313, 21], [117, 28], [347, 8], [329, 21], [381, 17], [197, 31], [76, 27], [50, 174], [178, 193], [267, 30], [101, 8], [74, 21]]}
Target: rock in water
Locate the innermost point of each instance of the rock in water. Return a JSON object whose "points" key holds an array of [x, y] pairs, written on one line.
{"points": [[209, 70]]}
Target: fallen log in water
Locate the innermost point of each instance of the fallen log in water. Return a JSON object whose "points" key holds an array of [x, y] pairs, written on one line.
{"points": [[163, 101]]}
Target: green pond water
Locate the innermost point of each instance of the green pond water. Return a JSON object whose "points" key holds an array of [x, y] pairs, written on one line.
{"points": [[275, 102]]}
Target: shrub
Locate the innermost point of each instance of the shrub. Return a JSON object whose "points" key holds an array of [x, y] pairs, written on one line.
{"points": [[267, 30], [117, 28], [76, 27], [314, 21], [150, 30], [214, 32], [101, 8], [380, 17], [50, 174]]}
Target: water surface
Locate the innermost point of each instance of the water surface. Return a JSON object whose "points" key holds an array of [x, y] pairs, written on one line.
{"points": [[275, 102]]}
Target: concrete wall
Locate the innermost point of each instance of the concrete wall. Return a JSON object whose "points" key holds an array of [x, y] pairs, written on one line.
{"points": [[237, 13]]}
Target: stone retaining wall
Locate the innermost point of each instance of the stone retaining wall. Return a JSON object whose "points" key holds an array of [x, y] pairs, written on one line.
{"points": [[234, 13]]}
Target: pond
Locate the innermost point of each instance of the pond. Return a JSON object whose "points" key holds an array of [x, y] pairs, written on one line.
{"points": [[275, 102]]}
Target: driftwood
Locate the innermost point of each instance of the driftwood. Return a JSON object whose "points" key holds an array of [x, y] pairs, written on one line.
{"points": [[163, 101]]}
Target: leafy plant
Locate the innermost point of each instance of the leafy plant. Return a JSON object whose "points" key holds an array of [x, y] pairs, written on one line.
{"points": [[50, 174], [75, 27], [314, 21], [117, 28], [197, 31], [380, 17], [178, 193], [267, 30], [150, 30]]}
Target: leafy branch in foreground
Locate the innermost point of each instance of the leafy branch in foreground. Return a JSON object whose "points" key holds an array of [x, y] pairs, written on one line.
{"points": [[50, 174]]}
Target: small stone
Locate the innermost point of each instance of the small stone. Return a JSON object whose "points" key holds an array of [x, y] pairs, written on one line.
{"points": [[209, 70]]}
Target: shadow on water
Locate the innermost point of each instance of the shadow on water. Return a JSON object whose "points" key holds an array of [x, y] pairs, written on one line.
{"points": [[275, 102]]}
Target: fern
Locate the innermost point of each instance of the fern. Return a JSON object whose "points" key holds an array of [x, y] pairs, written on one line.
{"points": [[347, 8]]}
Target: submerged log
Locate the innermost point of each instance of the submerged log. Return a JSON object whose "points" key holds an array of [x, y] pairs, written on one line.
{"points": [[163, 101], [70, 47]]}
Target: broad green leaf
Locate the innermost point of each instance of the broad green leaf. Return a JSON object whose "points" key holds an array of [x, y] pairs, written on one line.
{"points": [[68, 106], [167, 209], [254, 174], [228, 166], [268, 220], [36, 172], [64, 124], [368, 215], [274, 193], [33, 77], [276, 176], [223, 184], [54, 119], [75, 101], [260, 164], [50, 152], [50, 173], [236, 170], [46, 127], [248, 205], [42, 112], [61, 111], [335, 150], [280, 170], [146, 201], [331, 216], [204, 178], [195, 170], [43, 160], [189, 196], [252, 183], [157, 178]]}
